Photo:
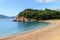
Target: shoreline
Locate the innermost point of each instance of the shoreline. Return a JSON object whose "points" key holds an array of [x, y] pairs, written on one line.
{"points": [[40, 34], [25, 31]]}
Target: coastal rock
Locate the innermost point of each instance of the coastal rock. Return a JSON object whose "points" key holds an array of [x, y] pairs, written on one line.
{"points": [[25, 19]]}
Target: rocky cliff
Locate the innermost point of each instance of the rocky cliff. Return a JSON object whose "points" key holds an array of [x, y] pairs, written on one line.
{"points": [[23, 19]]}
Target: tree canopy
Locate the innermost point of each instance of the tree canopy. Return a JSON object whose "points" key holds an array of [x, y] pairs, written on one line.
{"points": [[40, 14]]}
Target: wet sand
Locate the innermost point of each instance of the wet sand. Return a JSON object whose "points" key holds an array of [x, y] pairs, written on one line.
{"points": [[51, 32]]}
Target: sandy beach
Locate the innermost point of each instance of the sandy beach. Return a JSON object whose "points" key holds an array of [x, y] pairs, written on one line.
{"points": [[51, 32]]}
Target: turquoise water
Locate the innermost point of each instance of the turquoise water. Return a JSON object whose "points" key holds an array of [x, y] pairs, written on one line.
{"points": [[8, 27]]}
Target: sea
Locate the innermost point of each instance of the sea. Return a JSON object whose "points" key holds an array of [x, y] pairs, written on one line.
{"points": [[8, 27]]}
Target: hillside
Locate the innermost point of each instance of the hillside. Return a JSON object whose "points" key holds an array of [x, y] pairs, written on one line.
{"points": [[36, 15], [3, 16]]}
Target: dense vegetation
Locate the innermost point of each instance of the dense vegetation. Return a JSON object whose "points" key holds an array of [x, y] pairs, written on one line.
{"points": [[40, 14]]}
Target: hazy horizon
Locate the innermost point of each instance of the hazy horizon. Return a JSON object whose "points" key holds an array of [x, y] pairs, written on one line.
{"points": [[13, 7]]}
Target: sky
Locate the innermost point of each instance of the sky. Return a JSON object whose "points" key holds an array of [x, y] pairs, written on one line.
{"points": [[13, 7]]}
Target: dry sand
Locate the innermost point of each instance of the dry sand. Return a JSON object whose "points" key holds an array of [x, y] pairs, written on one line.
{"points": [[51, 32]]}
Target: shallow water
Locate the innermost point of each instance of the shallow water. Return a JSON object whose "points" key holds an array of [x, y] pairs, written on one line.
{"points": [[8, 27]]}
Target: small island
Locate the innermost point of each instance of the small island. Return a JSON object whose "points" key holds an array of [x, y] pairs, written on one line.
{"points": [[36, 15]]}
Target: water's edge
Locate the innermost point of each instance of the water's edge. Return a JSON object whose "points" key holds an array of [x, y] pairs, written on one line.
{"points": [[38, 27]]}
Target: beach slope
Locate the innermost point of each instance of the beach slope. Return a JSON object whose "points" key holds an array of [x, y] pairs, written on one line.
{"points": [[51, 32]]}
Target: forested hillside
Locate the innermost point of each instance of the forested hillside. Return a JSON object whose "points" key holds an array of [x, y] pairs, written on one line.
{"points": [[40, 14]]}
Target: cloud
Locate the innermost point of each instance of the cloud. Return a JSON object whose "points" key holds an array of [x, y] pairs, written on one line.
{"points": [[45, 1]]}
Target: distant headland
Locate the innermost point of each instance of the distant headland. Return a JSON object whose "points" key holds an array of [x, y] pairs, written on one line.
{"points": [[6, 17], [37, 15]]}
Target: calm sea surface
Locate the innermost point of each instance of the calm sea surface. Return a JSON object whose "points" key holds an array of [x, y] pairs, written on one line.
{"points": [[8, 27]]}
